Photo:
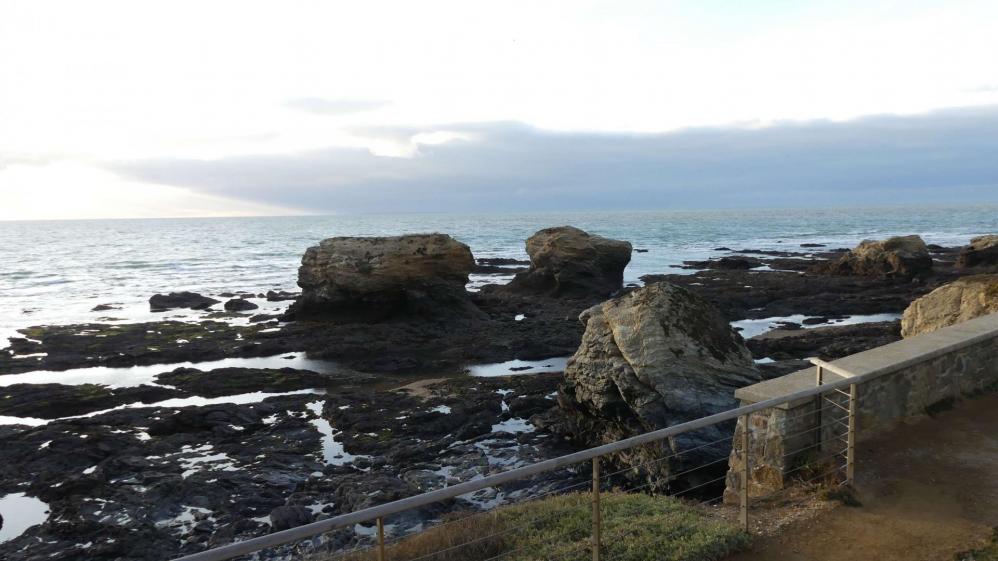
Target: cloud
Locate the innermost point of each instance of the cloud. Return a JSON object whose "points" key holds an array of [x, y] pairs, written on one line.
{"points": [[944, 156], [320, 106]]}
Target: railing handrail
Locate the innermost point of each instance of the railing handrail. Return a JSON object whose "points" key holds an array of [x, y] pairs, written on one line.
{"points": [[384, 510]]}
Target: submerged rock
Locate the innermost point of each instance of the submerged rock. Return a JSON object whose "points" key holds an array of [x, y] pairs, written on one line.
{"points": [[902, 257], [280, 295], [371, 279], [173, 300], [240, 305], [983, 250], [953, 303], [568, 262], [729, 263], [655, 357]]}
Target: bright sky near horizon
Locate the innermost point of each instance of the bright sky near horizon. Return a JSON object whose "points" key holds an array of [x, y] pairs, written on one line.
{"points": [[137, 109]]}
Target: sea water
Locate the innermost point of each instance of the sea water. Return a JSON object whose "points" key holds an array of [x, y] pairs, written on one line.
{"points": [[55, 272]]}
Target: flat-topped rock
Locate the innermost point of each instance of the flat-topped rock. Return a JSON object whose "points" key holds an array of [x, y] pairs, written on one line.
{"points": [[568, 262], [901, 257], [374, 278], [956, 302]]}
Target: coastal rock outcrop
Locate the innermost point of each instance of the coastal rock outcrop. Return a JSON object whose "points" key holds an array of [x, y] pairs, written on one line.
{"points": [[652, 358], [571, 263], [983, 250], [900, 257], [956, 302], [374, 278]]}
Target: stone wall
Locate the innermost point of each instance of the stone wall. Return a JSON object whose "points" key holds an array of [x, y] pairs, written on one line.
{"points": [[918, 374]]}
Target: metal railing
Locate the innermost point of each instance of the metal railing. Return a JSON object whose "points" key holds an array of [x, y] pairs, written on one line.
{"points": [[831, 396]]}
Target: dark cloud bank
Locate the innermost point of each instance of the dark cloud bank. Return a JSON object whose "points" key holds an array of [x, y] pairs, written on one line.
{"points": [[943, 157]]}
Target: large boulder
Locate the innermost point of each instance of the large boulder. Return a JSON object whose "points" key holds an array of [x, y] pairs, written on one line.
{"points": [[568, 262], [901, 257], [649, 359], [983, 250], [952, 303], [374, 278]]}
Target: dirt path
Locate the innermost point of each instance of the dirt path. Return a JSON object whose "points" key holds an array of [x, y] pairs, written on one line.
{"points": [[929, 490]]}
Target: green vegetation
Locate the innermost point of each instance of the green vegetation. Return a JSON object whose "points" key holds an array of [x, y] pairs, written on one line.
{"points": [[987, 553], [636, 527]]}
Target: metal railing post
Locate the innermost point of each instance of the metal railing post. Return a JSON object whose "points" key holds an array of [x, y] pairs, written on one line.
{"points": [[851, 439], [381, 539], [597, 515], [818, 406], [743, 496]]}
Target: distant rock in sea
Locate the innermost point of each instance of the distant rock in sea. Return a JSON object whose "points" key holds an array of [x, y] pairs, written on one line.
{"points": [[902, 257], [567, 262]]}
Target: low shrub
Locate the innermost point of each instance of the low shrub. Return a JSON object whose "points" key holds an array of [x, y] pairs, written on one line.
{"points": [[636, 527]]}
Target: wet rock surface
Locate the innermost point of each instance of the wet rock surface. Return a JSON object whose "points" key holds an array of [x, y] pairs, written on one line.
{"points": [[232, 381], [59, 347], [159, 482], [52, 401]]}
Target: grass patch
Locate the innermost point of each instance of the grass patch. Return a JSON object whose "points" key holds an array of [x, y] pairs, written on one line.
{"points": [[636, 527]]}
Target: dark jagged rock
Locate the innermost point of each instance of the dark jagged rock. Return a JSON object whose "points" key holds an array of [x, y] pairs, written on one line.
{"points": [[374, 279], [281, 295], [105, 307], [567, 262], [259, 318], [240, 305], [174, 300], [289, 516], [827, 343]]}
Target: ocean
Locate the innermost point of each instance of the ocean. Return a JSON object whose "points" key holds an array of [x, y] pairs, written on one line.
{"points": [[55, 272]]}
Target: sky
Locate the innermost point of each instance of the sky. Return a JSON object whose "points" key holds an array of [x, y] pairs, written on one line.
{"points": [[147, 109]]}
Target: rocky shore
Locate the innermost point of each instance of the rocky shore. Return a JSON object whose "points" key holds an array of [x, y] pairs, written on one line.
{"points": [[153, 439]]}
